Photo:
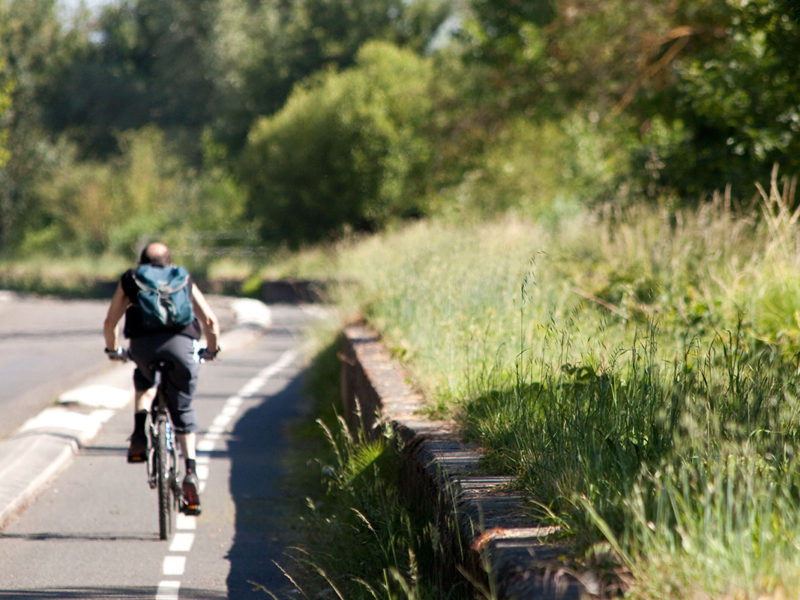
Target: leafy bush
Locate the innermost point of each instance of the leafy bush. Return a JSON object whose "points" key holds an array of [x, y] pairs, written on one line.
{"points": [[146, 191], [546, 170], [347, 150]]}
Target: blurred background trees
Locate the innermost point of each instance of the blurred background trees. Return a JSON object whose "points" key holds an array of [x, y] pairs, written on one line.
{"points": [[297, 122]]}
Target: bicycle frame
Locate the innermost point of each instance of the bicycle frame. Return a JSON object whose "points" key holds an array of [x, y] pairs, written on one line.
{"points": [[163, 471], [162, 460]]}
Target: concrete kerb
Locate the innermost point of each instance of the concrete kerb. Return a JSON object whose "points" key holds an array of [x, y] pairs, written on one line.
{"points": [[490, 539], [46, 444]]}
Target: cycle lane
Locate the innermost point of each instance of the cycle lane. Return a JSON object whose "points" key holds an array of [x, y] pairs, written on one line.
{"points": [[92, 533]]}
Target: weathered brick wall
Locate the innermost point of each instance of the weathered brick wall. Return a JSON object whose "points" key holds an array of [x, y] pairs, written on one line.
{"points": [[485, 526]]}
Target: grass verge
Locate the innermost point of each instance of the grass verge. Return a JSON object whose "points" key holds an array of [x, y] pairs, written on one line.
{"points": [[355, 539], [635, 370]]}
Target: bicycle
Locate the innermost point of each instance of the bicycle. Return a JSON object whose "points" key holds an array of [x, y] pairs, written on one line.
{"points": [[162, 458], [163, 466]]}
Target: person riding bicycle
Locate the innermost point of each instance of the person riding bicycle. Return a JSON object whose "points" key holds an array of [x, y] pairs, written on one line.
{"points": [[179, 347]]}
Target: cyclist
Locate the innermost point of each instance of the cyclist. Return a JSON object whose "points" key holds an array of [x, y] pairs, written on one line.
{"points": [[178, 347]]}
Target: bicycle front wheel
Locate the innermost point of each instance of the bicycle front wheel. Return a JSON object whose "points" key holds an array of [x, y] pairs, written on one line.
{"points": [[164, 487]]}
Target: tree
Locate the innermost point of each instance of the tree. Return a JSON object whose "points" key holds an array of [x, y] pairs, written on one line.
{"points": [[299, 38], [710, 86], [6, 88], [30, 42], [736, 103], [148, 63], [347, 151]]}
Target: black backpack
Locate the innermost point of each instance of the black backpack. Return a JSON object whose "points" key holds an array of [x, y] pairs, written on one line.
{"points": [[164, 297]]}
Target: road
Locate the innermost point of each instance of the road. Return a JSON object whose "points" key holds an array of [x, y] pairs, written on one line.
{"points": [[45, 346], [92, 532]]}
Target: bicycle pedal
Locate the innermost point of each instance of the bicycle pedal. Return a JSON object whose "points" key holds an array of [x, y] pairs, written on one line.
{"points": [[191, 511]]}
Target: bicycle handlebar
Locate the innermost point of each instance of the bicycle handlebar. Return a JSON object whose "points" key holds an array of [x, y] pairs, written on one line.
{"points": [[206, 354], [123, 355], [120, 354]]}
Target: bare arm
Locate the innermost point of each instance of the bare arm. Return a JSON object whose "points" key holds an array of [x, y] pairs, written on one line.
{"points": [[119, 302], [208, 320]]}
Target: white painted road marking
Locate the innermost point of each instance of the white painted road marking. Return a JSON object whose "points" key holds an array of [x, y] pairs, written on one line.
{"points": [[174, 565], [175, 562], [168, 590], [182, 542]]}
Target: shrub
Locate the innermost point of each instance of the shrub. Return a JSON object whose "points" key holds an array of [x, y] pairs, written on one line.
{"points": [[346, 151]]}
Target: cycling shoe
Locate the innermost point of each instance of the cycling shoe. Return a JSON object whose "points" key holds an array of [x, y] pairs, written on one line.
{"points": [[191, 497], [137, 452]]}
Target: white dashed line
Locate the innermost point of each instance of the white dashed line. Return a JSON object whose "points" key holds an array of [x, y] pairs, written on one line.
{"points": [[182, 542], [175, 562], [205, 446], [174, 565], [168, 590], [185, 522]]}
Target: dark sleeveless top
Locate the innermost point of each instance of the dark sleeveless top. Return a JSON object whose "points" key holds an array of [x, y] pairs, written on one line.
{"points": [[133, 315]]}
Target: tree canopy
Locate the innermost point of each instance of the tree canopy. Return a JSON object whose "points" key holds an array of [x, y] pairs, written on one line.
{"points": [[310, 118]]}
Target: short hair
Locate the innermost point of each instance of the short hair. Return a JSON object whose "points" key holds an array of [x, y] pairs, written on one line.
{"points": [[156, 254]]}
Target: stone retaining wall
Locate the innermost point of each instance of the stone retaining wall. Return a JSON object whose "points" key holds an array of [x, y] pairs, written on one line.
{"points": [[487, 532]]}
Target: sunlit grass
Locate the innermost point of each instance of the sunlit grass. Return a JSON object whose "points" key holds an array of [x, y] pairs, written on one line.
{"points": [[624, 354], [357, 538], [68, 276]]}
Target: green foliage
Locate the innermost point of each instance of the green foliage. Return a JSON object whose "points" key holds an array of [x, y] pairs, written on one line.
{"points": [[721, 527], [363, 543], [146, 192], [738, 102], [347, 151], [359, 539], [627, 366], [301, 38], [30, 38], [529, 107], [6, 87], [545, 170], [709, 85], [150, 63]]}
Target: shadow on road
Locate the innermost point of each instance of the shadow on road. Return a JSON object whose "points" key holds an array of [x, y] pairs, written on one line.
{"points": [[261, 491], [72, 537]]}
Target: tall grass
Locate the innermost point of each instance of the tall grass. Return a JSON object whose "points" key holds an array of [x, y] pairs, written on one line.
{"points": [[635, 369], [357, 538]]}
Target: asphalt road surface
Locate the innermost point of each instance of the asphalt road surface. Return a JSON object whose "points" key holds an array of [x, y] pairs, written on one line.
{"points": [[92, 532], [46, 345]]}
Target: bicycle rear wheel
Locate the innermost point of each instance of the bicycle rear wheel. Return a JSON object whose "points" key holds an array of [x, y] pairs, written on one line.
{"points": [[164, 483]]}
